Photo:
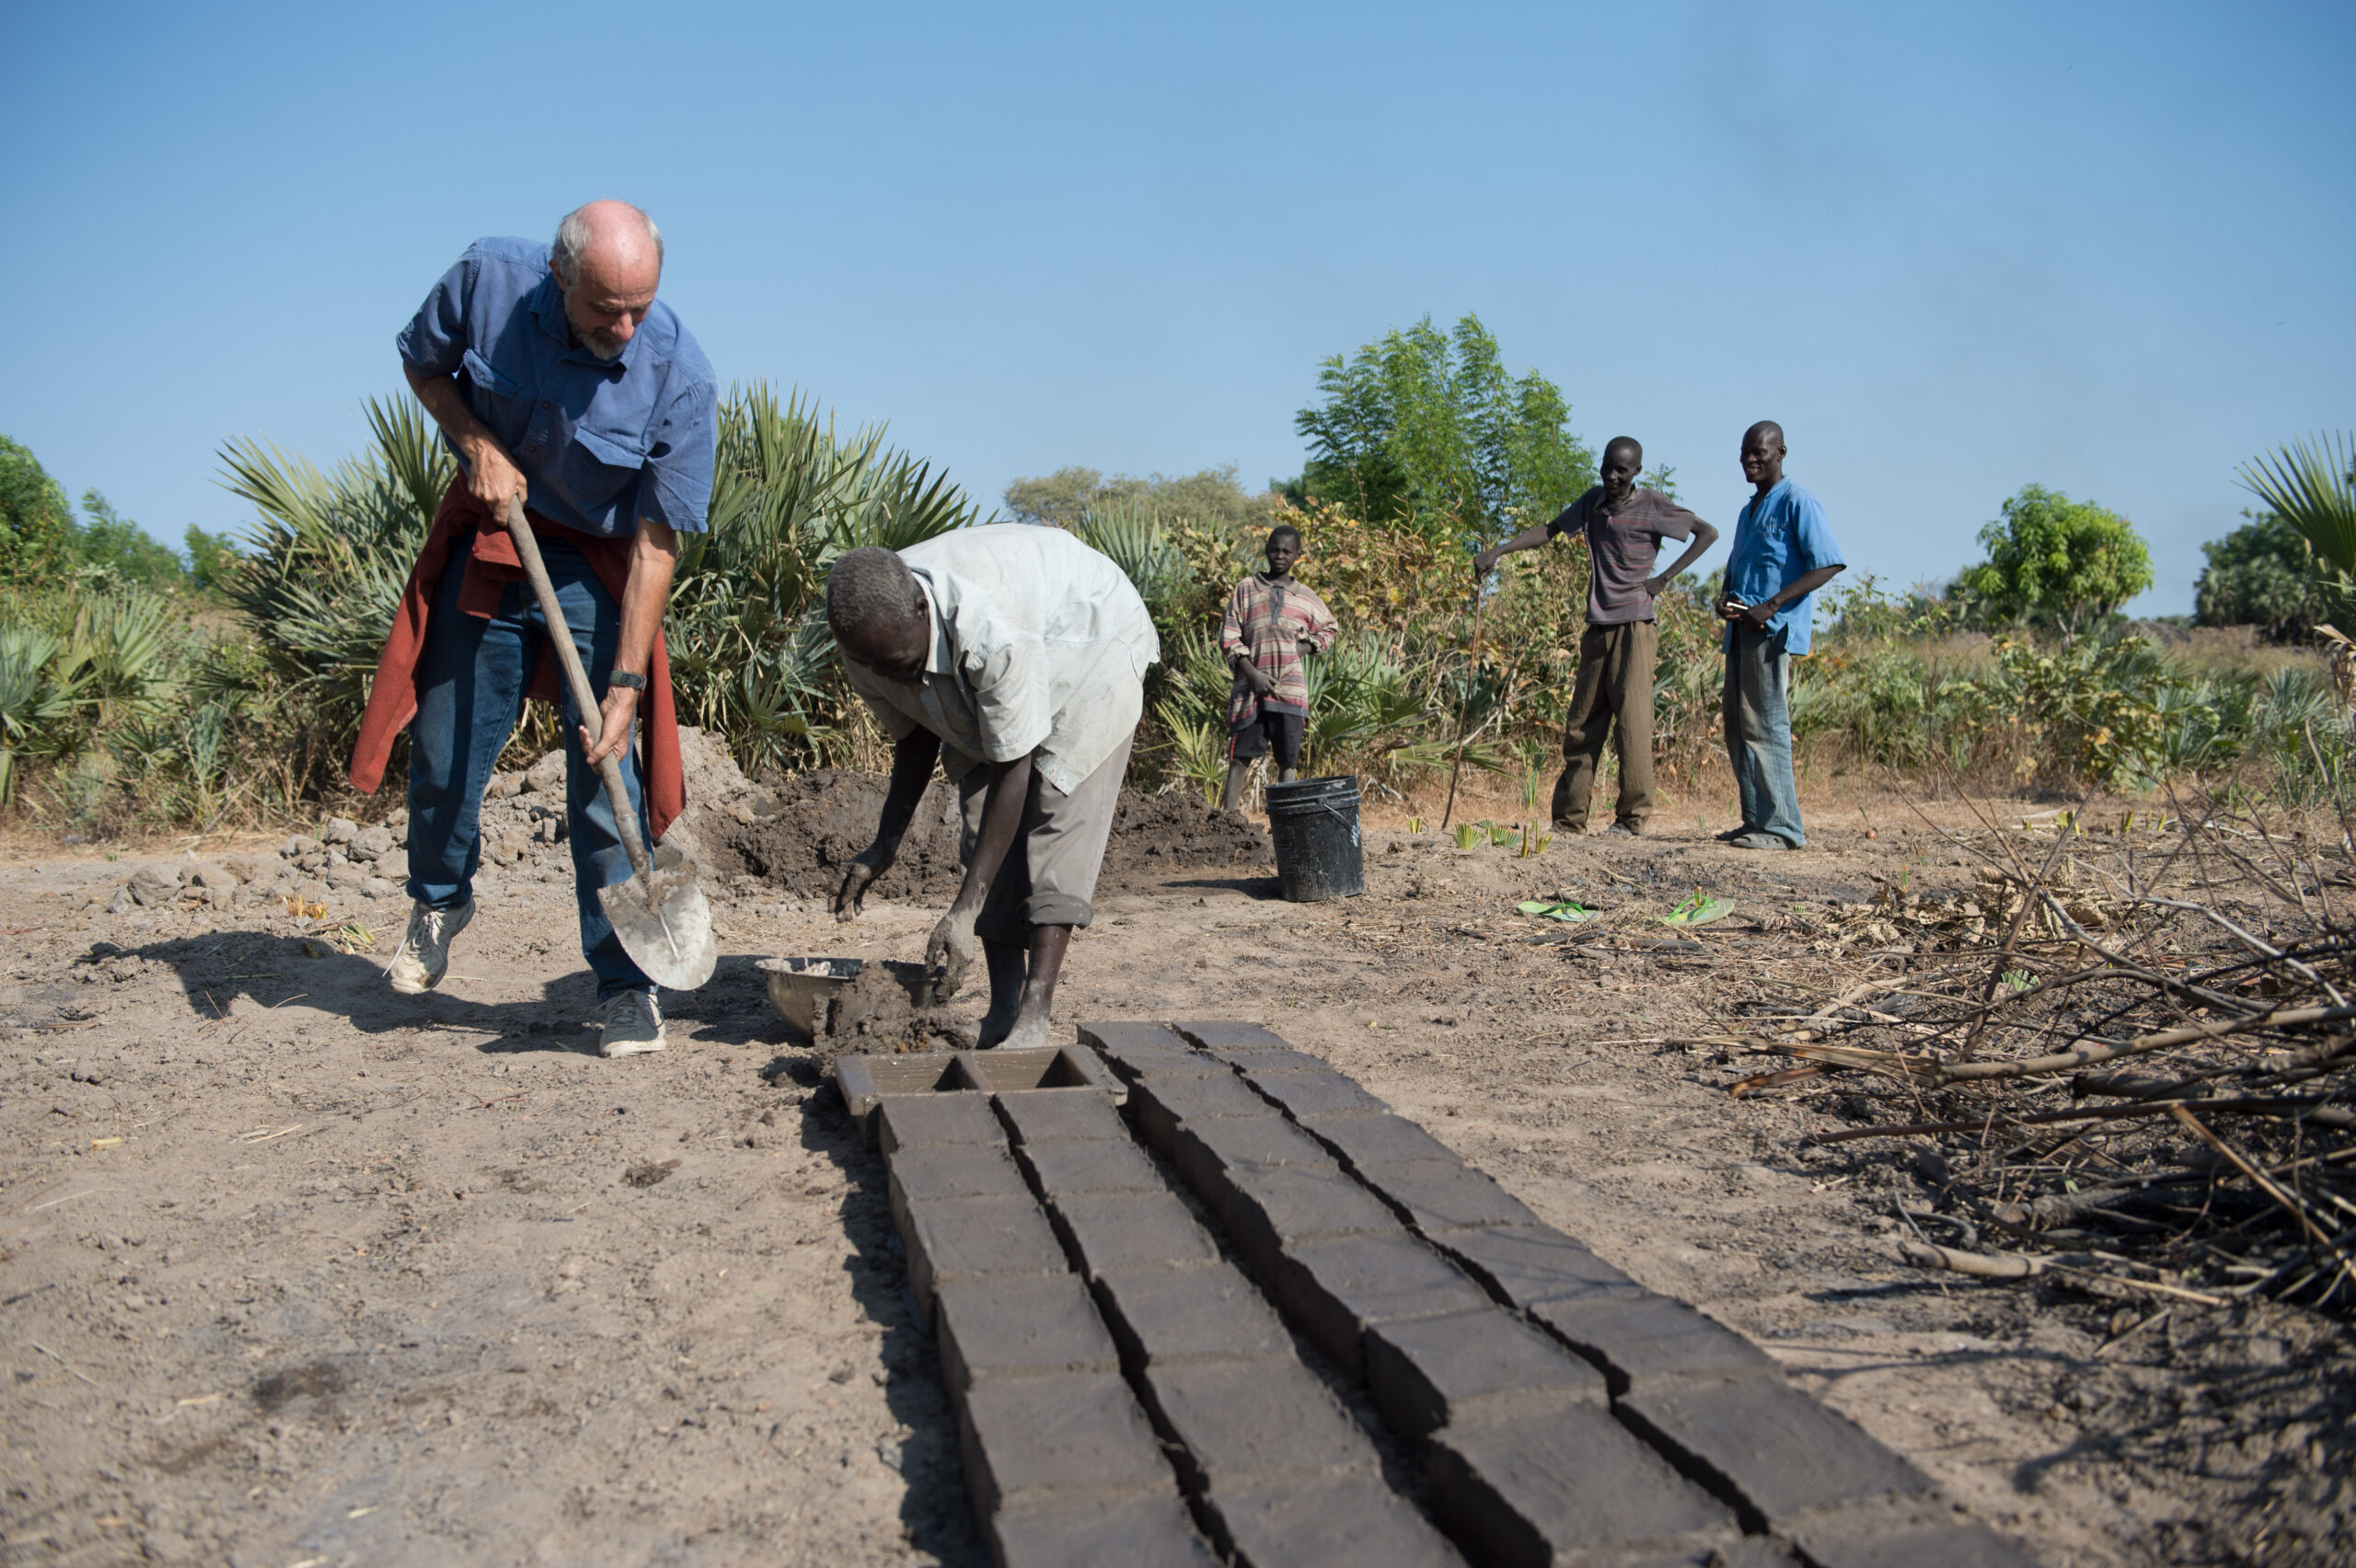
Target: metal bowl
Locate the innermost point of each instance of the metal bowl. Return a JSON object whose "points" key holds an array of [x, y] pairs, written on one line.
{"points": [[800, 988]]}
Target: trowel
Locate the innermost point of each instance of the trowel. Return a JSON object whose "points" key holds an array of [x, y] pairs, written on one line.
{"points": [[659, 914]]}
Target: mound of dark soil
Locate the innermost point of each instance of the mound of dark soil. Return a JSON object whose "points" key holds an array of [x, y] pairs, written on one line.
{"points": [[814, 824]]}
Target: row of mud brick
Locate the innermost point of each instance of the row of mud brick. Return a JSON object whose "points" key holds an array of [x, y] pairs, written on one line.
{"points": [[1129, 1390]]}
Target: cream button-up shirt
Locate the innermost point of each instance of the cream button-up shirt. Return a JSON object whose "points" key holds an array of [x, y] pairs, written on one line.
{"points": [[1040, 647]]}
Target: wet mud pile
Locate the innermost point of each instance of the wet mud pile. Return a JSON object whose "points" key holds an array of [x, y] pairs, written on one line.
{"points": [[807, 827], [875, 1013]]}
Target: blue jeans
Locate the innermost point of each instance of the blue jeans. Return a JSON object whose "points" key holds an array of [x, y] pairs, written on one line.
{"points": [[1758, 733], [470, 687]]}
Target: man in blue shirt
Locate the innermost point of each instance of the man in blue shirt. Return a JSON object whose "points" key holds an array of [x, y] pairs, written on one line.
{"points": [[1784, 552], [557, 378]]}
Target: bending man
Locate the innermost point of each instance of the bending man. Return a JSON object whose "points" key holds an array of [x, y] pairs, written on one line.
{"points": [[1015, 656], [560, 381], [1623, 526]]}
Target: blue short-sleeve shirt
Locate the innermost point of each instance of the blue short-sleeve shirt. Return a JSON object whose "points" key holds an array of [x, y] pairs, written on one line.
{"points": [[602, 442], [1780, 539]]}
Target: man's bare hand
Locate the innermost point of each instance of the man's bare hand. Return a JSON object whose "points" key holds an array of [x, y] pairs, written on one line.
{"points": [[615, 717], [1655, 586], [493, 476], [1756, 617], [950, 950], [865, 867], [1259, 680], [1486, 561]]}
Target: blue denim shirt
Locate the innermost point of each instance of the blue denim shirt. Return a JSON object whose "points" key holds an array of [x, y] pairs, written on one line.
{"points": [[1780, 539], [602, 442]]}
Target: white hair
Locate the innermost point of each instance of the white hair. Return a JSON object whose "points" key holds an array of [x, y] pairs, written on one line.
{"points": [[573, 237]]}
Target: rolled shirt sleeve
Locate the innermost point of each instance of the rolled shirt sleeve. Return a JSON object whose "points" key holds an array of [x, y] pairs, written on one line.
{"points": [[436, 339], [676, 488]]}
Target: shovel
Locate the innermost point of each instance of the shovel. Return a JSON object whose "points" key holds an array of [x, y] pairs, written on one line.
{"points": [[660, 913]]}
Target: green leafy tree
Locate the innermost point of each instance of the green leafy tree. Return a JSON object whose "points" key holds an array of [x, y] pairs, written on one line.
{"points": [[2261, 574], [1214, 497], [2051, 558], [36, 521], [211, 557], [106, 542], [1427, 428]]}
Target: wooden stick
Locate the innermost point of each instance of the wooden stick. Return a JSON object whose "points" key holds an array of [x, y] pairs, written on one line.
{"points": [[2297, 1210], [2282, 1107], [1464, 708]]}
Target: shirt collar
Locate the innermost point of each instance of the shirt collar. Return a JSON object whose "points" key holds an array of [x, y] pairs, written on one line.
{"points": [[940, 660]]}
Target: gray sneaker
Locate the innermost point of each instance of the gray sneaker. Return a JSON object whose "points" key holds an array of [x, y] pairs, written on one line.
{"points": [[424, 955], [634, 1025]]}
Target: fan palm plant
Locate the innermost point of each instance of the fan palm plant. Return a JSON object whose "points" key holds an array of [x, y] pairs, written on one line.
{"points": [[751, 657], [2311, 485]]}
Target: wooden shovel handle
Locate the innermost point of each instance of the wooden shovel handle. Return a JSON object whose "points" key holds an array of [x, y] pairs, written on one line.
{"points": [[585, 698]]}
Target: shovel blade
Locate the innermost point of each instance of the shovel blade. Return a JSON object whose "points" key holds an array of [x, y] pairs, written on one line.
{"points": [[664, 927]]}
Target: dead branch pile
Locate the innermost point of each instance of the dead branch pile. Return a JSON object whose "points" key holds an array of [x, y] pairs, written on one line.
{"points": [[2130, 1064]]}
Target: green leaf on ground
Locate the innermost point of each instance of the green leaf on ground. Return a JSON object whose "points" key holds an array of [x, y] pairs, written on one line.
{"points": [[1698, 910], [1553, 909]]}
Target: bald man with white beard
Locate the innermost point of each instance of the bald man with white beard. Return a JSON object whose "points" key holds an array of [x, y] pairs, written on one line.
{"points": [[559, 380]]}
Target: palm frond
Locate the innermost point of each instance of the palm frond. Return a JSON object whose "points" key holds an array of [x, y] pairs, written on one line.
{"points": [[2311, 485]]}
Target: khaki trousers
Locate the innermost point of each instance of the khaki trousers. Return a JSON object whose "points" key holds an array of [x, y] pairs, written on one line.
{"points": [[1049, 876], [1614, 697]]}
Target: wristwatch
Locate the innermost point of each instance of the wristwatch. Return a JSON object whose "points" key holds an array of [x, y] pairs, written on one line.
{"points": [[627, 681]]}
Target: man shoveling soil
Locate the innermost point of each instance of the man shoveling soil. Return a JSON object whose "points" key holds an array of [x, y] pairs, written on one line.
{"points": [[1015, 657]]}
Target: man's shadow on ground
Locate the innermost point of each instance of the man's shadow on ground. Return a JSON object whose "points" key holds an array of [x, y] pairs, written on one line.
{"points": [[272, 969]]}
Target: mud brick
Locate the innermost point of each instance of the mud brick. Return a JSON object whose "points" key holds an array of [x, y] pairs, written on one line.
{"points": [[1138, 1532], [1233, 1036], [1209, 1151], [1097, 1166], [1320, 1093], [1533, 1490], [1524, 1266], [1081, 1435], [1238, 1421], [1126, 1231], [1750, 1551], [1161, 1104], [951, 1171], [1352, 1521], [908, 1119], [953, 1238], [1651, 1342], [991, 1328], [1130, 1049], [1920, 1534], [1165, 1316], [1447, 1195], [1334, 1290], [1362, 1139], [1426, 1373], [1254, 1060], [1768, 1449], [1269, 1208], [1047, 1115]]}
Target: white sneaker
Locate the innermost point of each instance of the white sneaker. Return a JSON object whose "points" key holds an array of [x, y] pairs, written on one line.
{"points": [[634, 1025], [424, 955]]}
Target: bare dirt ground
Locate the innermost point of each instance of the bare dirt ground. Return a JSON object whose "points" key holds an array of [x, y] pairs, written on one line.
{"points": [[293, 1270]]}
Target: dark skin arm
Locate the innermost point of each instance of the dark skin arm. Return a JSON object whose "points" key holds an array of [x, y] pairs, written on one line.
{"points": [[1704, 536], [951, 945], [1757, 616], [912, 761]]}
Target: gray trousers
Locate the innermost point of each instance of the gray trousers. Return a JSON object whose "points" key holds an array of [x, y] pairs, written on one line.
{"points": [[1757, 704], [1050, 871]]}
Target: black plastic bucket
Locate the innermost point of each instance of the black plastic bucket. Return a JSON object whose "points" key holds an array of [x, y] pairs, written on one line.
{"points": [[1315, 825]]}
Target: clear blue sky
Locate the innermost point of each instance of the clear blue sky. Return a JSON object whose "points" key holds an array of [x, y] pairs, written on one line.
{"points": [[1953, 248]]}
